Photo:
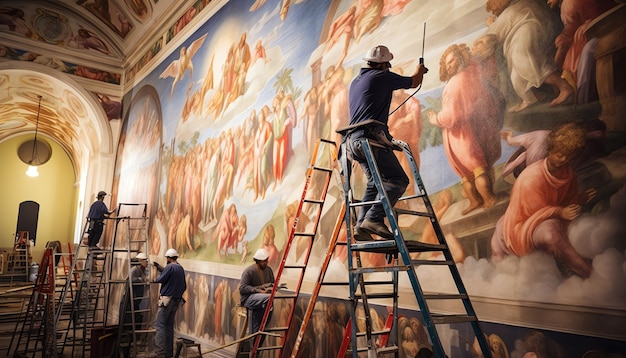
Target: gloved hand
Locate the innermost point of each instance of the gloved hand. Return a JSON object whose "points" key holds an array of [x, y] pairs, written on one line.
{"points": [[158, 266]]}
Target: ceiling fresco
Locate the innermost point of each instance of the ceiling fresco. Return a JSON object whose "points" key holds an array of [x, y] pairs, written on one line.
{"points": [[97, 41]]}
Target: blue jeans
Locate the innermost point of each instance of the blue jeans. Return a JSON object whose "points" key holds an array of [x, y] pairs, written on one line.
{"points": [[257, 302], [164, 340], [393, 177]]}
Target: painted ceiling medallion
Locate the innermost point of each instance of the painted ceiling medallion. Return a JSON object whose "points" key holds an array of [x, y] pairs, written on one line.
{"points": [[51, 26]]}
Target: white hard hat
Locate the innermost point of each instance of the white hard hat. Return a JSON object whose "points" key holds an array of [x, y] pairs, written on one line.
{"points": [[261, 255], [378, 54], [141, 256], [171, 253]]}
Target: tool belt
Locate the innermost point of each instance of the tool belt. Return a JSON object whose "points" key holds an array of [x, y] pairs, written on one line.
{"points": [[372, 130]]}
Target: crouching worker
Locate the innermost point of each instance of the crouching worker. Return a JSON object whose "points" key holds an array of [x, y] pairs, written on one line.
{"points": [[255, 288]]}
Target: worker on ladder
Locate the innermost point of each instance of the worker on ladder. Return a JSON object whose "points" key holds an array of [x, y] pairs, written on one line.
{"points": [[97, 213], [255, 287], [369, 100]]}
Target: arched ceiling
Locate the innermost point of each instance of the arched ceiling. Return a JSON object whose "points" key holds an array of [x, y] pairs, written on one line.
{"points": [[74, 53], [67, 115]]}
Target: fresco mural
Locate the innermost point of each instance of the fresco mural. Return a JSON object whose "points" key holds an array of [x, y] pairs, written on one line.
{"points": [[137, 175], [526, 171], [59, 65]]}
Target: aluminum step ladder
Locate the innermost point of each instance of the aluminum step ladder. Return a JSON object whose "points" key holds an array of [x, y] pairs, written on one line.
{"points": [[398, 251], [135, 314]]}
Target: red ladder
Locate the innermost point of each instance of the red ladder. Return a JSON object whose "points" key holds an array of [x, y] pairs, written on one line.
{"points": [[313, 198]]}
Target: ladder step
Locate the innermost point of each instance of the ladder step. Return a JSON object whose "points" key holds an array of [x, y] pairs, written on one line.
{"points": [[374, 333], [446, 296], [334, 283], [363, 203], [377, 283], [414, 196], [433, 262], [286, 296], [390, 247], [416, 246], [412, 212], [361, 270], [305, 234], [145, 331], [385, 350], [460, 318], [373, 245], [375, 296], [319, 202], [269, 348], [324, 169], [384, 331]]}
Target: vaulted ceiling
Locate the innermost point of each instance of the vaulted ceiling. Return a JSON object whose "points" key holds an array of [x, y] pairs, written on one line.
{"points": [[77, 55]]}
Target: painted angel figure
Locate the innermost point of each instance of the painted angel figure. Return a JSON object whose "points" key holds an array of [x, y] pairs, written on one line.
{"points": [[178, 67]]}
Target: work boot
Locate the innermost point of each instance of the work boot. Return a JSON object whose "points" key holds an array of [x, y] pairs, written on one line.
{"points": [[360, 235], [376, 227]]}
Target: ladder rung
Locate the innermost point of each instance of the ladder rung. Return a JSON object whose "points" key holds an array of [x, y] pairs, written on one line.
{"points": [[380, 269], [446, 296], [374, 296], [291, 296], [324, 169], [374, 283], [334, 283], [269, 348], [417, 246], [363, 203], [373, 245], [385, 350], [411, 212], [433, 262], [320, 202], [305, 234], [414, 196], [458, 318], [384, 331], [145, 331]]}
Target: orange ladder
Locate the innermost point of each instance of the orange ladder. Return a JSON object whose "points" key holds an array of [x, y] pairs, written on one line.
{"points": [[318, 179]]}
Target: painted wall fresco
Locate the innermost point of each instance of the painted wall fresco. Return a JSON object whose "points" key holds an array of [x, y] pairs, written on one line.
{"points": [[59, 65], [242, 106], [193, 11]]}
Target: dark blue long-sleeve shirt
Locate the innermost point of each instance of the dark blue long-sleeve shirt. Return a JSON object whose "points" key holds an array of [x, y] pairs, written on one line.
{"points": [[172, 280]]}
